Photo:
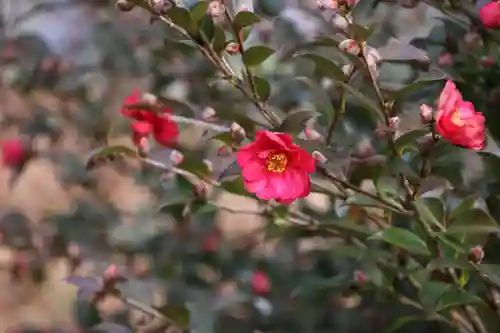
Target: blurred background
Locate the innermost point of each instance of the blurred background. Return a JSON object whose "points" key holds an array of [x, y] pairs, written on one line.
{"points": [[65, 68]]}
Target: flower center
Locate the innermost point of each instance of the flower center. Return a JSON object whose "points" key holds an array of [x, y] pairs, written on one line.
{"points": [[455, 118], [277, 162]]}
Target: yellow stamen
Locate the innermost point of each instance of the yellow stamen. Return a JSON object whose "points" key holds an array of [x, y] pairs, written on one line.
{"points": [[277, 162], [455, 118]]}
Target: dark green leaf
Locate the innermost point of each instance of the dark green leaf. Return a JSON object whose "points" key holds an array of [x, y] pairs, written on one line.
{"points": [[440, 263], [106, 153], [403, 238], [403, 93], [472, 227], [181, 17], [399, 323], [426, 213], [375, 110], [431, 292], [256, 55], [207, 27], [325, 66], [466, 205], [178, 314], [245, 19], [263, 88], [86, 314], [409, 139], [219, 40], [363, 200], [294, 121], [453, 298], [198, 11]]}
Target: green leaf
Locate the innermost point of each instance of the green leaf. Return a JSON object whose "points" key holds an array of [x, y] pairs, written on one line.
{"points": [[86, 314], [107, 153], [376, 111], [436, 206], [399, 323], [426, 213], [363, 200], [177, 313], [454, 298], [400, 95], [466, 205], [409, 139], [245, 19], [294, 121], [263, 88], [440, 263], [320, 99], [219, 41], [325, 66], [256, 55], [404, 239], [491, 272], [207, 26], [181, 17], [472, 227], [198, 11], [235, 186], [431, 292]]}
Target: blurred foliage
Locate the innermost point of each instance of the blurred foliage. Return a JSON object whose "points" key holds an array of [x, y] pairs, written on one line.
{"points": [[405, 256]]}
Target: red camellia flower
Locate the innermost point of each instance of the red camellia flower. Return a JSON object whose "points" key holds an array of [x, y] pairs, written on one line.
{"points": [[12, 152], [490, 15], [161, 126], [457, 121], [261, 284], [275, 168]]}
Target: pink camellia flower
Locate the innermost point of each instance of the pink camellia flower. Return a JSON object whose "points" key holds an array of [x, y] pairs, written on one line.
{"points": [[457, 121], [160, 125], [275, 168], [13, 152], [261, 284], [490, 15]]}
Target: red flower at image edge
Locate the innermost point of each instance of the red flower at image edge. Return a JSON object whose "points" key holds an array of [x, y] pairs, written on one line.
{"points": [[275, 168], [490, 15], [13, 151], [457, 121], [161, 126]]}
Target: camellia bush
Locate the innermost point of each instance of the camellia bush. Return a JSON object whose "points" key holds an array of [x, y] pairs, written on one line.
{"points": [[399, 137]]}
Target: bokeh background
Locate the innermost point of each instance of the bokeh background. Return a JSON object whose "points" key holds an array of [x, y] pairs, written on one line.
{"points": [[66, 66]]}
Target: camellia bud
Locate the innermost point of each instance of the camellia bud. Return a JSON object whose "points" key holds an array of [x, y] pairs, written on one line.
{"points": [[445, 59], [372, 56], [200, 191], [319, 157], [261, 284], [238, 132], [487, 61], [350, 46], [215, 8], [426, 113], [327, 4], [176, 157], [224, 151], [125, 5], [476, 254], [394, 123], [359, 276], [380, 132], [312, 134], [340, 22], [161, 6], [232, 48]]}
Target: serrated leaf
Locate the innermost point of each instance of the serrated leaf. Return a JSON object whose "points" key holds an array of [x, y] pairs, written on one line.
{"points": [[374, 109], [245, 19], [256, 55], [325, 66], [295, 120], [109, 152], [404, 239]]}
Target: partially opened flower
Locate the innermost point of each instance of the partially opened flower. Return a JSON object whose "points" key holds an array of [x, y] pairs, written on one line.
{"points": [[457, 121], [146, 122], [276, 168]]}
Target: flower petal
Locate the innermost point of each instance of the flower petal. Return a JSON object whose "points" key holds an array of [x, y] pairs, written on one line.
{"points": [[253, 171], [165, 131]]}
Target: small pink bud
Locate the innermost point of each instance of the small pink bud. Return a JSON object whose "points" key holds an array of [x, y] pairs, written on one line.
{"points": [[476, 254], [13, 152], [327, 4], [340, 22], [312, 134], [224, 151], [319, 157], [161, 6], [365, 149], [125, 5], [487, 61], [176, 157], [445, 59], [426, 113], [208, 114], [232, 48], [350, 46], [200, 190], [394, 122], [144, 145], [359, 276], [238, 132], [215, 8], [111, 273], [261, 284]]}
